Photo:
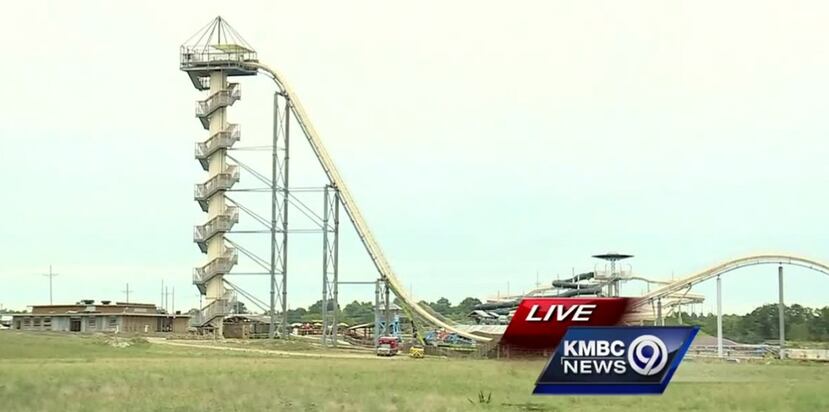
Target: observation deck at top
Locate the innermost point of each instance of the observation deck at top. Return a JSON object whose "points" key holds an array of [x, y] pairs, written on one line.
{"points": [[217, 46]]}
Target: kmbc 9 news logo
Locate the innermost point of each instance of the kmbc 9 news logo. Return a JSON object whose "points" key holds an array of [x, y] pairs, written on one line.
{"points": [[593, 354], [647, 355]]}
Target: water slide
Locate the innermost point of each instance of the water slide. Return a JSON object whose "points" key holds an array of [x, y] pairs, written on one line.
{"points": [[409, 304], [573, 282], [728, 266]]}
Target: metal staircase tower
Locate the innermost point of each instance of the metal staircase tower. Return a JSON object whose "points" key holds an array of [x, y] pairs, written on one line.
{"points": [[210, 58]]}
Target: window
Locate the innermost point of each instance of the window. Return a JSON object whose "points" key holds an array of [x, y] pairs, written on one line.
{"points": [[92, 322], [113, 322], [47, 323]]}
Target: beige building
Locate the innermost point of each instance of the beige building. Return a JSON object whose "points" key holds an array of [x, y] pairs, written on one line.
{"points": [[104, 316]]}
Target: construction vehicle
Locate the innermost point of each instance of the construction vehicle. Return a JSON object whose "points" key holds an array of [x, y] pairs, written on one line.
{"points": [[387, 346]]}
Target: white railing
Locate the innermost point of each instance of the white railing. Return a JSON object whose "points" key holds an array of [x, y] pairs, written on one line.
{"points": [[221, 181], [221, 140], [225, 97], [196, 55], [220, 223], [222, 264], [218, 307]]}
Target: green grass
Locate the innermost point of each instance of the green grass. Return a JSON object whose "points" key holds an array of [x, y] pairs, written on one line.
{"points": [[74, 373]]}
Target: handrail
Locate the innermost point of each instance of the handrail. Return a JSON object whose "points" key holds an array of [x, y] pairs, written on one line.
{"points": [[222, 181], [221, 264], [220, 223], [220, 140], [224, 97]]}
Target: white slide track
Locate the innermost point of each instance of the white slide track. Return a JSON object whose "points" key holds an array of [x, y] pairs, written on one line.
{"points": [[371, 245], [728, 266]]}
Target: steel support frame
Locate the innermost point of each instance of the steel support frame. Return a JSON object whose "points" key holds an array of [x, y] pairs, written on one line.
{"points": [[279, 217], [660, 321], [330, 265], [381, 304]]}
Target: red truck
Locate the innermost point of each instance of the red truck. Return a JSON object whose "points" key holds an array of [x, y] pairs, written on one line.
{"points": [[387, 346]]}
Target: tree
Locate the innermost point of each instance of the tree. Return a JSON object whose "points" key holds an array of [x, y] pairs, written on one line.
{"points": [[467, 305], [442, 306], [296, 315], [316, 308], [358, 312], [762, 324]]}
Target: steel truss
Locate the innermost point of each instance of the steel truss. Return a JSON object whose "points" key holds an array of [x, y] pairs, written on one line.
{"points": [[279, 217], [330, 265]]}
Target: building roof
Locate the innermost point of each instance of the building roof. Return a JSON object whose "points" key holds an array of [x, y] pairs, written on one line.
{"points": [[104, 307]]}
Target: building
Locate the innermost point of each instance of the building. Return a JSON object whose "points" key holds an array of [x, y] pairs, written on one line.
{"points": [[246, 326], [105, 316]]}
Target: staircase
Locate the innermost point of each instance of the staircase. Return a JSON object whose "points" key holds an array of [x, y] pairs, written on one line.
{"points": [[219, 224], [219, 182], [224, 139], [216, 101], [219, 265]]}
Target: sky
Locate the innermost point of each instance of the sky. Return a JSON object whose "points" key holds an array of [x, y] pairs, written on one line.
{"points": [[489, 146]]}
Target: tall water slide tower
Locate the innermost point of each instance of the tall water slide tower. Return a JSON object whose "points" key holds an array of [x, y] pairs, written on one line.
{"points": [[210, 58], [214, 54]]}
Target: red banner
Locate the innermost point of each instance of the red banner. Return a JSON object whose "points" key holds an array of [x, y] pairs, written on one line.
{"points": [[540, 323]]}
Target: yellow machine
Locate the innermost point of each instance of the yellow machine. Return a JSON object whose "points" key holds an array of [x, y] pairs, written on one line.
{"points": [[416, 352]]}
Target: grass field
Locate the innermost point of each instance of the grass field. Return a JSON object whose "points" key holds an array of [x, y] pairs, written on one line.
{"points": [[82, 373]]}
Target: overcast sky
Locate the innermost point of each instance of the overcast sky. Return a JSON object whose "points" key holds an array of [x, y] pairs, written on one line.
{"points": [[484, 142]]}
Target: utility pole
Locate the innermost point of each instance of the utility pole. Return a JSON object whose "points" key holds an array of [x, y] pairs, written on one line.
{"points": [[127, 291], [50, 275]]}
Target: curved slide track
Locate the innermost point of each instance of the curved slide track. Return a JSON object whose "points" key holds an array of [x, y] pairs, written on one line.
{"points": [[350, 206], [728, 266]]}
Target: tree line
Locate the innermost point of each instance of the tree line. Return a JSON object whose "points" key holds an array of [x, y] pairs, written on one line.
{"points": [[357, 312], [762, 324], [801, 323]]}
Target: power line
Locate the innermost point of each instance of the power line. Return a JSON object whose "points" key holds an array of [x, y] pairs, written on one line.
{"points": [[51, 275], [127, 291]]}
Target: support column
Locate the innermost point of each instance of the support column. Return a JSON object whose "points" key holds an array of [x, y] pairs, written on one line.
{"points": [[216, 205], [283, 329], [659, 320], [679, 313], [377, 311], [329, 265], [614, 283], [274, 207], [719, 318], [324, 308], [335, 318], [781, 309], [387, 316]]}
